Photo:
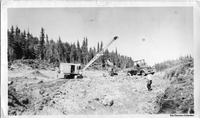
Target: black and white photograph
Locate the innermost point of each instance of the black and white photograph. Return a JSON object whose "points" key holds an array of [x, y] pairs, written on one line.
{"points": [[103, 60]]}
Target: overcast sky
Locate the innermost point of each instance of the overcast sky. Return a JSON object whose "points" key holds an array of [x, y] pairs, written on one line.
{"points": [[151, 33]]}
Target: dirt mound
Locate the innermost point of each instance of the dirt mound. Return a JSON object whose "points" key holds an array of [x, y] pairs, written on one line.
{"points": [[179, 96], [27, 97], [16, 103]]}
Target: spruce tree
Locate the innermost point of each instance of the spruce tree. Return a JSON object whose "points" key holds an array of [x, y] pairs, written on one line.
{"points": [[86, 51], [78, 52], [83, 56], [41, 46], [11, 45]]}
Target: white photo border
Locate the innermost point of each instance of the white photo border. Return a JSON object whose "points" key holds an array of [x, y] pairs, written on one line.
{"points": [[5, 5]]}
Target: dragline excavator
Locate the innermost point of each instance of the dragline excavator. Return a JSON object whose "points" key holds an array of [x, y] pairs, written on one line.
{"points": [[71, 70]]}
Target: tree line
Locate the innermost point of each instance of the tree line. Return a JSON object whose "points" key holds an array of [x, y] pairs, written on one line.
{"points": [[23, 45], [171, 63]]}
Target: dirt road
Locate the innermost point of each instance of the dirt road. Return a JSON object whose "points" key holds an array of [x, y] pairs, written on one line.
{"points": [[41, 93]]}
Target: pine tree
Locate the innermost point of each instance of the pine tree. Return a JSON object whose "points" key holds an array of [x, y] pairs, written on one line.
{"points": [[101, 57], [61, 50], [94, 50], [67, 52], [56, 56], [11, 44], [33, 43], [48, 50], [52, 50], [86, 50], [75, 53], [83, 55], [47, 39], [18, 48], [90, 54], [23, 44], [42, 47], [72, 53], [98, 47], [78, 52]]}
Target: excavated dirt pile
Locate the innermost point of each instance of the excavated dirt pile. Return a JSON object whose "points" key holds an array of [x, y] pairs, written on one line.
{"points": [[17, 104], [179, 96], [18, 97]]}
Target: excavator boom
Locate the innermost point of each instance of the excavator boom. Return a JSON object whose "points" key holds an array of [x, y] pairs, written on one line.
{"points": [[99, 54]]}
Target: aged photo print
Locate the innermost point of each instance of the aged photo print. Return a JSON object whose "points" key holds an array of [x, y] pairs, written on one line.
{"points": [[100, 60]]}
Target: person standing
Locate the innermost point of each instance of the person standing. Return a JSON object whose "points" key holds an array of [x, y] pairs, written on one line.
{"points": [[149, 82]]}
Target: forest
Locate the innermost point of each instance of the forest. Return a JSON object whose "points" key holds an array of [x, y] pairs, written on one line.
{"points": [[23, 45]]}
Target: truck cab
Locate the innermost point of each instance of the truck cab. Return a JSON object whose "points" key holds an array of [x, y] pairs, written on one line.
{"points": [[140, 68]]}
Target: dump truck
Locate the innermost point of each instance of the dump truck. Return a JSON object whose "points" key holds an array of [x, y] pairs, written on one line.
{"points": [[140, 68], [72, 70]]}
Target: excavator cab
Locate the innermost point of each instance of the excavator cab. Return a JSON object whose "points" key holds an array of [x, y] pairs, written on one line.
{"points": [[69, 70]]}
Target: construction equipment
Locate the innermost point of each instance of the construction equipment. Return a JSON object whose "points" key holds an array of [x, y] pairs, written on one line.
{"points": [[140, 68], [100, 53], [112, 70], [71, 70]]}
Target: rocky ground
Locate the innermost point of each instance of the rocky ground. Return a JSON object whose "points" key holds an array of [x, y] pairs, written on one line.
{"points": [[40, 92]]}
